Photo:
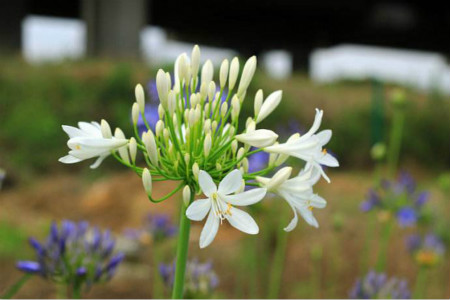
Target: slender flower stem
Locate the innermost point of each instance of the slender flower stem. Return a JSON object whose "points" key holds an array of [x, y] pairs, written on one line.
{"points": [[15, 287], [278, 263], [76, 292], [368, 238], [421, 283], [395, 140], [182, 250], [384, 242]]}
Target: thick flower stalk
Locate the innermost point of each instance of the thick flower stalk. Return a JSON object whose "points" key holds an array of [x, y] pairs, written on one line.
{"points": [[200, 141], [74, 255]]}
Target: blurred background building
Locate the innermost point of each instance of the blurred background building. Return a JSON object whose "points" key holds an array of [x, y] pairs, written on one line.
{"points": [[285, 34]]}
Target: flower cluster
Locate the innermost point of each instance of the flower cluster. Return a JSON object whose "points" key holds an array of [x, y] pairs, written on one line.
{"points": [[74, 254], [379, 286], [156, 227], [201, 280], [427, 250], [197, 142], [399, 198]]}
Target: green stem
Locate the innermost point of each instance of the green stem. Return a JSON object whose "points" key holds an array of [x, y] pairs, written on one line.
{"points": [[421, 282], [384, 242], [182, 250], [398, 121], [76, 292], [278, 263], [15, 287]]}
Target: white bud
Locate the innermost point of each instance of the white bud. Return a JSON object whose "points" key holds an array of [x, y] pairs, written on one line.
{"points": [[186, 115], [150, 146], [207, 144], [251, 125], [147, 181], [218, 166], [240, 153], [187, 157], [132, 147], [106, 130], [123, 151], [186, 195], [231, 131], [140, 97], [191, 117], [183, 68], [194, 100], [161, 111], [187, 134], [162, 87], [175, 120], [198, 112], [235, 107], [272, 157], [204, 89], [166, 135], [207, 126], [241, 188], [259, 138], [214, 125], [159, 128], [171, 102], [135, 113], [247, 75], [234, 145], [279, 178], [195, 60], [211, 90], [245, 164], [195, 170], [206, 110], [281, 158], [223, 73], [269, 105], [224, 109], [169, 80], [207, 72], [259, 97], [234, 72]]}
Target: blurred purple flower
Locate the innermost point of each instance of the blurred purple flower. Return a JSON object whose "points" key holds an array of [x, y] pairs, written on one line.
{"points": [[156, 226], [371, 201], [74, 253], [201, 280], [427, 250], [407, 217], [257, 161], [379, 286]]}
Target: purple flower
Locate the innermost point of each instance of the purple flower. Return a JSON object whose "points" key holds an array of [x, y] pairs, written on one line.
{"points": [[258, 161], [407, 217], [73, 252], [379, 286], [201, 280], [427, 250], [372, 201], [158, 226]]}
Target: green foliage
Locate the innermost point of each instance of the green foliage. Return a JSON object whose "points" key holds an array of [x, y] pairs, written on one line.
{"points": [[13, 241]]}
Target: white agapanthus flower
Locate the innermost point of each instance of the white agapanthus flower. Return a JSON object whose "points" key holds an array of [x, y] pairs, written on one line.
{"points": [[87, 141], [309, 147], [220, 205], [298, 193]]}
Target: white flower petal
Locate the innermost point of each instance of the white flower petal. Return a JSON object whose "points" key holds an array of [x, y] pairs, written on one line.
{"points": [[241, 220], [328, 160], [259, 138], [246, 198], [206, 183], [98, 162], [294, 220], [316, 124], [231, 183], [198, 209], [209, 230], [69, 159], [73, 131], [307, 214], [318, 202], [324, 136]]}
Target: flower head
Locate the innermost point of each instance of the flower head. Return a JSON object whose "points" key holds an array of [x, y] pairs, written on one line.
{"points": [[379, 286], [74, 254], [201, 280], [89, 141], [427, 250]]}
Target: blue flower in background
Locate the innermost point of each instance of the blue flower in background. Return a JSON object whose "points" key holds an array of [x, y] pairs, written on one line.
{"points": [[157, 227], [74, 254], [427, 250], [372, 201], [379, 286], [407, 217], [201, 280], [258, 161]]}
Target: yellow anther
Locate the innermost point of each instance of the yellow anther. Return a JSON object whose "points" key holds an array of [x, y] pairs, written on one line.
{"points": [[310, 208], [229, 206], [77, 147], [324, 151]]}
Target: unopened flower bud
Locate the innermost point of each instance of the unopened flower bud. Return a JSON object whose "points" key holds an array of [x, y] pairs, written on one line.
{"points": [[204, 89], [223, 73], [240, 153], [245, 164], [195, 60], [211, 90], [279, 178], [207, 144], [207, 72], [162, 86], [186, 195], [234, 145], [147, 181], [259, 97], [224, 109], [259, 138], [195, 170], [161, 111], [235, 107], [166, 135], [269, 105], [207, 126], [140, 97], [123, 151], [218, 166], [159, 127], [378, 151], [234, 72], [187, 157], [251, 126], [150, 146], [106, 129], [132, 147], [135, 113], [214, 125], [171, 102], [247, 75]]}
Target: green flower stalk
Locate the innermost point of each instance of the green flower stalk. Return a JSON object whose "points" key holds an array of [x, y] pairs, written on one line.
{"points": [[196, 143]]}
